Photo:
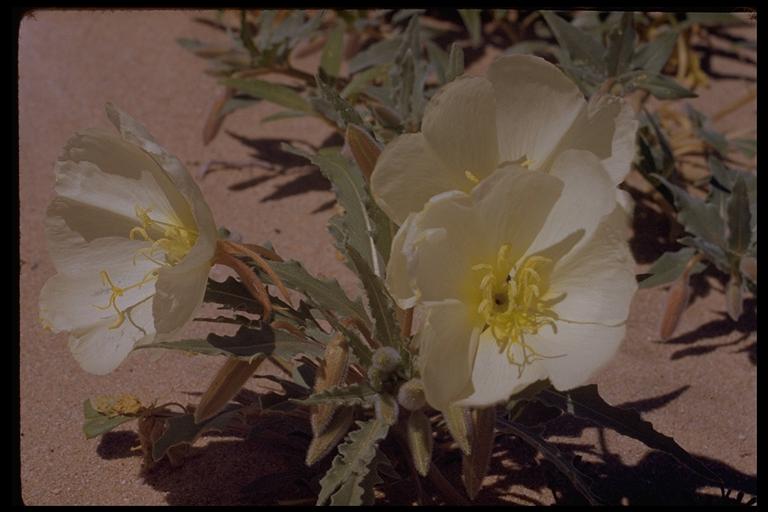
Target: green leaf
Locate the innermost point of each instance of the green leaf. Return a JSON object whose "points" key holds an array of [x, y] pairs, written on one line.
{"points": [[275, 93], [330, 61], [352, 394], [386, 328], [471, 19], [712, 252], [402, 14], [747, 147], [97, 424], [621, 45], [283, 114], [352, 195], [698, 217], [532, 436], [739, 232], [585, 402], [669, 267], [581, 48], [245, 344], [455, 66], [246, 36], [343, 483], [183, 430], [361, 80], [346, 112], [381, 52], [438, 58], [653, 56], [323, 293], [456, 421], [660, 86]]}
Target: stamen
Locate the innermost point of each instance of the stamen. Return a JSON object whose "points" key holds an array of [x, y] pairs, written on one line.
{"points": [[471, 177]]}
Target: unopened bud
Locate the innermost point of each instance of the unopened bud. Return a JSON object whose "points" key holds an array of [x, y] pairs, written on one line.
{"points": [[411, 395], [386, 408], [386, 359]]}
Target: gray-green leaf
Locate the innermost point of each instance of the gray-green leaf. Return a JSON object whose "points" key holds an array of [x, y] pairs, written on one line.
{"points": [[330, 61], [581, 48], [275, 93], [739, 232], [669, 267], [97, 424], [654, 55]]}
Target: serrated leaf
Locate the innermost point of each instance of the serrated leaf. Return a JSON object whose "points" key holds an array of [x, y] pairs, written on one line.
{"points": [[97, 424], [183, 430], [352, 394], [669, 267], [381, 52], [621, 45], [330, 61], [381, 304], [471, 19], [580, 481], [352, 195], [581, 48], [455, 66], [419, 436], [585, 402], [653, 56], [343, 481], [660, 86], [475, 465], [739, 232], [698, 217], [325, 293], [323, 442], [245, 344], [380, 463], [268, 91]]}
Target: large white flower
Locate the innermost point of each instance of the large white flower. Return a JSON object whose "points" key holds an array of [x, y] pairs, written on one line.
{"points": [[526, 111], [526, 277], [132, 240]]}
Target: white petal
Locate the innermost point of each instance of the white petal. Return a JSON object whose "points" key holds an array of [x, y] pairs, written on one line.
{"points": [[459, 124], [100, 350], [173, 170], [607, 128], [398, 280], [180, 292], [588, 196], [408, 173], [494, 378], [535, 106], [447, 344], [598, 279], [446, 243], [513, 205], [576, 352]]}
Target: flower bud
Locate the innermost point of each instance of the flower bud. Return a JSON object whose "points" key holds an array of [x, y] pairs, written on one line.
{"points": [[411, 395], [386, 359]]}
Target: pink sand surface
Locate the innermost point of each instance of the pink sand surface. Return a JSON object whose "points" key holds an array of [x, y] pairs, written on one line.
{"points": [[699, 387]]}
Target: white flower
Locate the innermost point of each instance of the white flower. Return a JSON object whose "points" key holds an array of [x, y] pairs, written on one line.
{"points": [[526, 111], [526, 277], [132, 240]]}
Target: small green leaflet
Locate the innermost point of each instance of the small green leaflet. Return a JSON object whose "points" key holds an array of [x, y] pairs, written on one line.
{"points": [[669, 267], [621, 45], [654, 55], [580, 47], [97, 424]]}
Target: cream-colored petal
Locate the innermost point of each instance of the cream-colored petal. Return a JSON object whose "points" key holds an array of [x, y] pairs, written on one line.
{"points": [[607, 128], [180, 292], [598, 279], [512, 205], [100, 350], [536, 104], [408, 173], [576, 352], [459, 124], [398, 280], [588, 196], [174, 176], [447, 344], [495, 378], [446, 243]]}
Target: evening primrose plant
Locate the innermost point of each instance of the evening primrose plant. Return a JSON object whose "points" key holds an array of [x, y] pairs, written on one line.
{"points": [[481, 214]]}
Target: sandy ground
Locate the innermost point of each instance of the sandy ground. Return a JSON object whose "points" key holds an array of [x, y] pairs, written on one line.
{"points": [[699, 387]]}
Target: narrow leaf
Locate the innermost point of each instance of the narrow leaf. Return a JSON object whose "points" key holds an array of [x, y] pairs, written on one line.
{"points": [[330, 62], [322, 443], [653, 56], [471, 19], [275, 93], [621, 45], [669, 267], [361, 80], [739, 232], [420, 442], [227, 382], [455, 66], [331, 373], [381, 52], [456, 419], [581, 47], [660, 86]]}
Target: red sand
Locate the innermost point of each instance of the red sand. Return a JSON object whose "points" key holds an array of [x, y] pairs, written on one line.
{"points": [[72, 62]]}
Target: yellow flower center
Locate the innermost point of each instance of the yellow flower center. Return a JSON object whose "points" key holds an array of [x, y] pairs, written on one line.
{"points": [[173, 239], [511, 304]]}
